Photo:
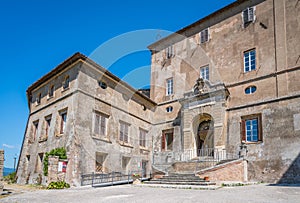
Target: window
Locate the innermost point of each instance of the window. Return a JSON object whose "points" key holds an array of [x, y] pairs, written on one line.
{"points": [[251, 128], [167, 140], [169, 88], [125, 163], [124, 132], [204, 36], [250, 90], [63, 121], [100, 159], [51, 91], [170, 52], [143, 134], [39, 163], [47, 128], [249, 61], [103, 85], [248, 16], [204, 73], [100, 124], [38, 99], [35, 126], [169, 109], [66, 82]]}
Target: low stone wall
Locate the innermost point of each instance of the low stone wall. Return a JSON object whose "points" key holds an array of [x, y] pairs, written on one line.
{"points": [[231, 171]]}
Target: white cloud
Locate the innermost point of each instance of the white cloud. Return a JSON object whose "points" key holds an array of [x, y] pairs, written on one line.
{"points": [[9, 146]]}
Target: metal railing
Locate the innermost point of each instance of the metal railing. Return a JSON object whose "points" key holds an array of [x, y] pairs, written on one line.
{"points": [[113, 178], [205, 154]]}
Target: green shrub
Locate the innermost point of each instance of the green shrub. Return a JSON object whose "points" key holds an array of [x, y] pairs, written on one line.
{"points": [[10, 178], [60, 152], [58, 185]]}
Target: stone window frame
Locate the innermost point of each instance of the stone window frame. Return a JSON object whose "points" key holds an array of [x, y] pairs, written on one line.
{"points": [[39, 162], [164, 140], [251, 62], [46, 128], [102, 124], [204, 36], [38, 99], [63, 117], [142, 137], [51, 91], [124, 129], [34, 131], [244, 129], [204, 72], [66, 83], [169, 86], [100, 164]]}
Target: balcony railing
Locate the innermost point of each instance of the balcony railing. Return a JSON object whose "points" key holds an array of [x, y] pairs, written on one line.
{"points": [[204, 155]]}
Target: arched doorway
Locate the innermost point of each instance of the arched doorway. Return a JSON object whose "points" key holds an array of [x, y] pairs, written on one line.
{"points": [[204, 137]]}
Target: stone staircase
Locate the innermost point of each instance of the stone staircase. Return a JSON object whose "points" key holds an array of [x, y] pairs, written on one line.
{"points": [[180, 179]]}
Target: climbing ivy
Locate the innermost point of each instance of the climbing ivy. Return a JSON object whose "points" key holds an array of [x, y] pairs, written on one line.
{"points": [[60, 152]]}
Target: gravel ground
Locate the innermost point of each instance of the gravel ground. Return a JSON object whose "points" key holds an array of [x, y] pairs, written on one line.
{"points": [[131, 193]]}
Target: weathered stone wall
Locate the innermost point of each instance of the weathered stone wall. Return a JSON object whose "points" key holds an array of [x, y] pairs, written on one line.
{"points": [[270, 159], [119, 104], [275, 36], [232, 171]]}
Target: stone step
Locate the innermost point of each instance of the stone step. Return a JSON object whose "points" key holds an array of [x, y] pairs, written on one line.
{"points": [[182, 179], [179, 183], [179, 180]]}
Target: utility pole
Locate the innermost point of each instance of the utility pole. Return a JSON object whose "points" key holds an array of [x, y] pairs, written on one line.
{"points": [[15, 158]]}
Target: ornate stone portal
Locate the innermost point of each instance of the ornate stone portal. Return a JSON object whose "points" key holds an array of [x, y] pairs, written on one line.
{"points": [[203, 117]]}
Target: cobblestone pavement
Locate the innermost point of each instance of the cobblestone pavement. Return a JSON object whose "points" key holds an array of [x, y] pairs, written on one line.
{"points": [[130, 193]]}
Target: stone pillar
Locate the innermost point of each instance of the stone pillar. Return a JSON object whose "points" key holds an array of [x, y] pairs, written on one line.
{"points": [[1, 170], [52, 168]]}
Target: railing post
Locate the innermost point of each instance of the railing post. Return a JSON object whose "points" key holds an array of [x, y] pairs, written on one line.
{"points": [[93, 179]]}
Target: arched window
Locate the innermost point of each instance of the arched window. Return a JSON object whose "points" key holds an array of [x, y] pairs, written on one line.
{"points": [[250, 90]]}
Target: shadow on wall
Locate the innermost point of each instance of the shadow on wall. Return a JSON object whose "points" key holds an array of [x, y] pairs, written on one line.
{"points": [[292, 175]]}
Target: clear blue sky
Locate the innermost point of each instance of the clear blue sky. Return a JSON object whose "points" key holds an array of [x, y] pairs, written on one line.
{"points": [[37, 35]]}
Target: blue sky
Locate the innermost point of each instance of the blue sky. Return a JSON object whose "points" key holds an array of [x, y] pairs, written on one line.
{"points": [[38, 35]]}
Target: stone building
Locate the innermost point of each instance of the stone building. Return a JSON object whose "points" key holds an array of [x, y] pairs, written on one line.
{"points": [[248, 56], [95, 116], [224, 85]]}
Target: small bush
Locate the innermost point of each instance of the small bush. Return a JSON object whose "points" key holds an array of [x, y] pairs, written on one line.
{"points": [[58, 185], [10, 178]]}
